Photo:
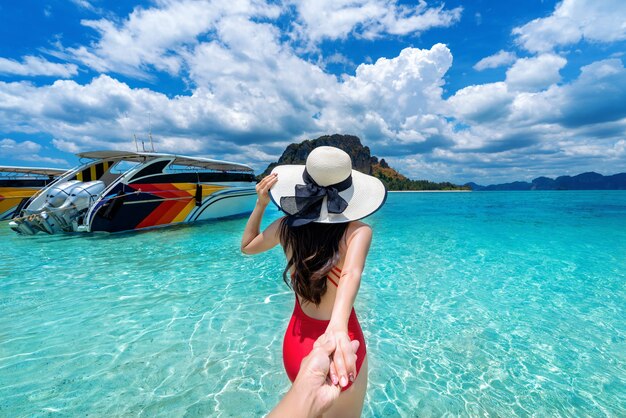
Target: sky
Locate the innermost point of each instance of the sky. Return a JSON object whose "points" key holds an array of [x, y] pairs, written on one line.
{"points": [[484, 90]]}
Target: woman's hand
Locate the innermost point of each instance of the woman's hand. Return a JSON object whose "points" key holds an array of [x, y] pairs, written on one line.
{"points": [[253, 241], [343, 365], [263, 188]]}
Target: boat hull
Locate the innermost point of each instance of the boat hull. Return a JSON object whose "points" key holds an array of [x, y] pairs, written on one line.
{"points": [[159, 205], [11, 198]]}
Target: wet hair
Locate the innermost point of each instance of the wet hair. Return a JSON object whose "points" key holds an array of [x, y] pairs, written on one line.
{"points": [[314, 251]]}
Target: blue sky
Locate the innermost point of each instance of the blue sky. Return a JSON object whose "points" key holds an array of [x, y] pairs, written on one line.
{"points": [[484, 91]]}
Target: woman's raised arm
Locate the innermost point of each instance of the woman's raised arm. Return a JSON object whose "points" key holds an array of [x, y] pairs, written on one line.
{"points": [[254, 241]]}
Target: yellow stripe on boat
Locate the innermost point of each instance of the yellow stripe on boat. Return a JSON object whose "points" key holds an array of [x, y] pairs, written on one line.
{"points": [[10, 197], [208, 190], [190, 188], [184, 212], [17, 192]]}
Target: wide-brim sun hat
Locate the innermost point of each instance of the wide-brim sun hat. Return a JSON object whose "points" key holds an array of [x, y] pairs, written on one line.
{"points": [[326, 189]]}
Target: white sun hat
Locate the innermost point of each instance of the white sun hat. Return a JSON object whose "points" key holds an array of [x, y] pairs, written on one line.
{"points": [[326, 189]]}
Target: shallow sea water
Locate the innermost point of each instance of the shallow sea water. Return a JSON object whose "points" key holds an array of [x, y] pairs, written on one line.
{"points": [[472, 304]]}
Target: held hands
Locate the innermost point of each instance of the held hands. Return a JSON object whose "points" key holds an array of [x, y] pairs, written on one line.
{"points": [[314, 371], [263, 188], [343, 364], [312, 392]]}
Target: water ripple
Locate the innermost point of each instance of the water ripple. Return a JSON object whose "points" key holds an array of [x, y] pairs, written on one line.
{"points": [[481, 304]]}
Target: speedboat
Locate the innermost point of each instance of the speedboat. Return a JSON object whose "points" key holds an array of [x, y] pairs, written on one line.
{"points": [[114, 191], [18, 184]]}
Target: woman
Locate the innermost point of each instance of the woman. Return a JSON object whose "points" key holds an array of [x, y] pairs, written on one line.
{"points": [[326, 246]]}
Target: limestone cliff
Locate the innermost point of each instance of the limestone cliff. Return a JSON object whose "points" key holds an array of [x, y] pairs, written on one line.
{"points": [[297, 153], [362, 160]]}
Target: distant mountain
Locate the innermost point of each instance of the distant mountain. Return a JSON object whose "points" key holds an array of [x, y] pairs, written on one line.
{"points": [[362, 160], [584, 181]]}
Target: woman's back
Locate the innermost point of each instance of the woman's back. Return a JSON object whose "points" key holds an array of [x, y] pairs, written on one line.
{"points": [[323, 311]]}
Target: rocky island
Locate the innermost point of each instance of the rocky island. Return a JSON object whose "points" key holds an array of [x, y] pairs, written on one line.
{"points": [[362, 160]]}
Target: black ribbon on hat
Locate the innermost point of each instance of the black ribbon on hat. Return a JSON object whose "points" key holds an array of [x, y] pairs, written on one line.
{"points": [[306, 205]]}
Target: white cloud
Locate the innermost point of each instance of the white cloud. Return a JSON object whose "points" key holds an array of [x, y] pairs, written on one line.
{"points": [[336, 58], [406, 20], [106, 113], [499, 59], [155, 37], [258, 83], [596, 97], [333, 19], [572, 21], [396, 99], [482, 103], [272, 95], [25, 151], [548, 125], [9, 146], [67, 146], [84, 4], [36, 66], [160, 37], [536, 73]]}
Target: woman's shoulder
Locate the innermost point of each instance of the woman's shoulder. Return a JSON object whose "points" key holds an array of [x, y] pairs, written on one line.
{"points": [[358, 225], [358, 228]]}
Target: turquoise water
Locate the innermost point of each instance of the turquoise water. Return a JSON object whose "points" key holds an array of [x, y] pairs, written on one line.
{"points": [[472, 304]]}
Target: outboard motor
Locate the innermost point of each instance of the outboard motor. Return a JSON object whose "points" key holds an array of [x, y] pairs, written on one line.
{"points": [[21, 227], [35, 219], [81, 196], [63, 205], [57, 194]]}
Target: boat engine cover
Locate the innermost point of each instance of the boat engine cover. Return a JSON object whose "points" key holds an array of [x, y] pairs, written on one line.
{"points": [[82, 195], [58, 193]]}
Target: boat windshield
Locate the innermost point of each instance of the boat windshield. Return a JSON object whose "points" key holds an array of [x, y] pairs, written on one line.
{"points": [[123, 166]]}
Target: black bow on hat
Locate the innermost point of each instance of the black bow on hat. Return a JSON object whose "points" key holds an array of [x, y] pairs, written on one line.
{"points": [[306, 205]]}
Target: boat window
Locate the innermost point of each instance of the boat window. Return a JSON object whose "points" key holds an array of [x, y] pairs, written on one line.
{"points": [[123, 166], [151, 168], [179, 168]]}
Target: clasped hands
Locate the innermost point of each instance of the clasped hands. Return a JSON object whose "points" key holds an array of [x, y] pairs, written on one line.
{"points": [[342, 368], [318, 384]]}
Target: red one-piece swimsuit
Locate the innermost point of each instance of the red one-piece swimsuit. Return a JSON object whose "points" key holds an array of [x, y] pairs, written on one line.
{"points": [[304, 330]]}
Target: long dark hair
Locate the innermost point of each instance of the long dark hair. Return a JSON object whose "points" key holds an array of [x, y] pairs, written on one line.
{"points": [[314, 251]]}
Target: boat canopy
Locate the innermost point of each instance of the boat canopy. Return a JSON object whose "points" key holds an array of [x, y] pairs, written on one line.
{"points": [[32, 170], [192, 162]]}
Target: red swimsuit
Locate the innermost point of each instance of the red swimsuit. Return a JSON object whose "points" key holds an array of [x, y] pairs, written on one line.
{"points": [[304, 330]]}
